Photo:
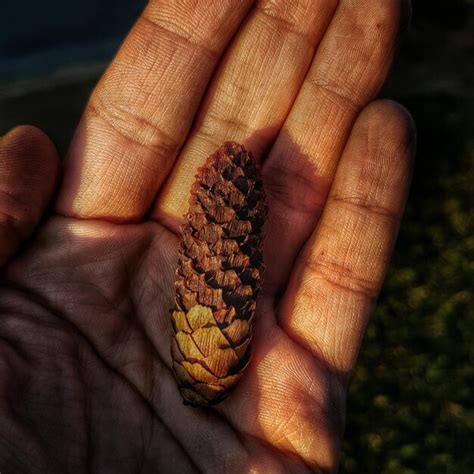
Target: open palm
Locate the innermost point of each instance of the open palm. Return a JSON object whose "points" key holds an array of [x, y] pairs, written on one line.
{"points": [[85, 379]]}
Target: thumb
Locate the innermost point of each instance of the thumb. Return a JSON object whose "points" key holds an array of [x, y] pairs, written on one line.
{"points": [[29, 168]]}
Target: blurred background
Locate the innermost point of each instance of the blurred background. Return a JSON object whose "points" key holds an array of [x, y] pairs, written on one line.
{"points": [[410, 406]]}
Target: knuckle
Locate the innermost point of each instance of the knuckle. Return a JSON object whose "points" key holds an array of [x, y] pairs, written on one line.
{"points": [[361, 205], [337, 93], [295, 16], [134, 128], [177, 34], [230, 122], [193, 23], [342, 277]]}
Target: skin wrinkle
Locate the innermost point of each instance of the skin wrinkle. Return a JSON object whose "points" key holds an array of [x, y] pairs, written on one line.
{"points": [[324, 412], [78, 334], [31, 425], [149, 379], [87, 417], [11, 225], [134, 129], [160, 143], [214, 121], [358, 203], [212, 465], [284, 395], [165, 360], [18, 200], [263, 442], [200, 31], [335, 274], [242, 437], [235, 432], [180, 39], [321, 357], [334, 96], [281, 23], [124, 335], [86, 189], [114, 367], [111, 304], [6, 442], [289, 456]]}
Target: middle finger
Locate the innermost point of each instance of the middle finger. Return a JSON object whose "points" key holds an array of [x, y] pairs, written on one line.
{"points": [[252, 92]]}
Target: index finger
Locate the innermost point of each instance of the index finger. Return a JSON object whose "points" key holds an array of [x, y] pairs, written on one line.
{"points": [[140, 112]]}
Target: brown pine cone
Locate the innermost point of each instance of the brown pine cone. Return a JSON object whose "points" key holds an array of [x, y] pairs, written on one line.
{"points": [[219, 276]]}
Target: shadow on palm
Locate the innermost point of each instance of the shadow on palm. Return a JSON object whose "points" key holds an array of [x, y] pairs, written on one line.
{"points": [[102, 294]]}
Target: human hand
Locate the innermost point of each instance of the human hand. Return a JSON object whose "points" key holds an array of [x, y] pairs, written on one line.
{"points": [[85, 380]]}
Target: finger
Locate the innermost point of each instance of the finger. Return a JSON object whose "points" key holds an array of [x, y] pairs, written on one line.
{"points": [[252, 92], [350, 67], [29, 169], [339, 272], [140, 112]]}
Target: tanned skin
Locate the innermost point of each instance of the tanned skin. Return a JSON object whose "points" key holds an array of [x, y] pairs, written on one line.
{"points": [[89, 252]]}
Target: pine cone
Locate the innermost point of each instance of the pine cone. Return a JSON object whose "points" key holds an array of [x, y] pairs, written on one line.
{"points": [[219, 276]]}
